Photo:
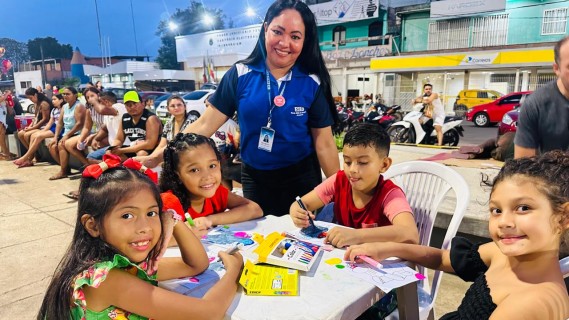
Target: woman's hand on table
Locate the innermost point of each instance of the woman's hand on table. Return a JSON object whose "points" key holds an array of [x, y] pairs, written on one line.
{"points": [[341, 237], [300, 217], [375, 250]]}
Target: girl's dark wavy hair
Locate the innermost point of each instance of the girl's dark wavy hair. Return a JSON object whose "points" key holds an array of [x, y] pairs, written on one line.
{"points": [[97, 198], [310, 59], [170, 179], [90, 89], [550, 173], [59, 96]]}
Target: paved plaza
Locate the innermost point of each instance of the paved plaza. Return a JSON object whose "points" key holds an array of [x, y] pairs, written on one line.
{"points": [[37, 224]]}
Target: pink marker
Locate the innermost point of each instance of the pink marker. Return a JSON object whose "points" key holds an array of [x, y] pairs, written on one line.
{"points": [[371, 262]]}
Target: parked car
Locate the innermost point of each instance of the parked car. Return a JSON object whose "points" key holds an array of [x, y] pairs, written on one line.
{"points": [[509, 121], [491, 113], [467, 99], [151, 94], [195, 102], [119, 92], [161, 98], [209, 86], [27, 104]]}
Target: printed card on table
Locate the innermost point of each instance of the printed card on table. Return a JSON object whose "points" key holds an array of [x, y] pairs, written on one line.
{"points": [[280, 250]]}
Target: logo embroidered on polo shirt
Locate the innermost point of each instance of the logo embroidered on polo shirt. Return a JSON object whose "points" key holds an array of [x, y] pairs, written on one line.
{"points": [[298, 111]]}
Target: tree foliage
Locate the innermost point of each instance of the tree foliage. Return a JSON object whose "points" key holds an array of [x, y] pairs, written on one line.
{"points": [[51, 49], [188, 21]]}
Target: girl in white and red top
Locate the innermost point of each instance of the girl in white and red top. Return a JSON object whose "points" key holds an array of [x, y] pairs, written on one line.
{"points": [[192, 172], [375, 209]]}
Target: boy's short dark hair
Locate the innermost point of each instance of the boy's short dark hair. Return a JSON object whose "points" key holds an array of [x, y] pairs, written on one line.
{"points": [[368, 135], [109, 96]]}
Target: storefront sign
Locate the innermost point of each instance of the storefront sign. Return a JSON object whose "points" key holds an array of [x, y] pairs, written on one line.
{"points": [[475, 60], [479, 59], [356, 53], [340, 11], [238, 40], [448, 9]]}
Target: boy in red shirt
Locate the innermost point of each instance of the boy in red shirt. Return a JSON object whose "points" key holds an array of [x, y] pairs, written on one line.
{"points": [[375, 209]]}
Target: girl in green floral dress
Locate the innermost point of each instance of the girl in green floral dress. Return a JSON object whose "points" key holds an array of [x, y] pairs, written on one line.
{"points": [[112, 266]]}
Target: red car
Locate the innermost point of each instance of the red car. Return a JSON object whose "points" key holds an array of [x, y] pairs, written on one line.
{"points": [[490, 113], [509, 122]]}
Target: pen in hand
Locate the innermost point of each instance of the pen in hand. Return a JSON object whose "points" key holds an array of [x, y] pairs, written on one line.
{"points": [[234, 249], [189, 220], [303, 207]]}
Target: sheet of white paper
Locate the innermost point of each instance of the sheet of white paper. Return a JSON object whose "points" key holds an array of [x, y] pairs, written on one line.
{"points": [[391, 276]]}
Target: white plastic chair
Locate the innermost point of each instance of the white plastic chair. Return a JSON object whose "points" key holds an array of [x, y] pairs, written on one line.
{"points": [[425, 184], [564, 264]]}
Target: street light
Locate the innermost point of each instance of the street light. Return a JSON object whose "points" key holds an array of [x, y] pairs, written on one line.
{"points": [[250, 12], [173, 26], [207, 19]]}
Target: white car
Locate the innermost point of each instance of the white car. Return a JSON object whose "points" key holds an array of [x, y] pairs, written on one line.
{"points": [[27, 104], [195, 103]]}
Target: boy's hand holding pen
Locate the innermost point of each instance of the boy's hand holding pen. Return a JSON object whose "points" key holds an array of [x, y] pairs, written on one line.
{"points": [[301, 217]]}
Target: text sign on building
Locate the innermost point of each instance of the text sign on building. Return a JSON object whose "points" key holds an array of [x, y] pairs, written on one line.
{"points": [[356, 53], [478, 59], [340, 11], [453, 8], [238, 40]]}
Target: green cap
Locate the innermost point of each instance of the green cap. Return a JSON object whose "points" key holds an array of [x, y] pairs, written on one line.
{"points": [[131, 96]]}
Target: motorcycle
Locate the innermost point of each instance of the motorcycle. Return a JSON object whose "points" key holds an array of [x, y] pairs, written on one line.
{"points": [[381, 117], [394, 111], [412, 129]]}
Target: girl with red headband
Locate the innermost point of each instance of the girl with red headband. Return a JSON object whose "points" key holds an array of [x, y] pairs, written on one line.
{"points": [[121, 230]]}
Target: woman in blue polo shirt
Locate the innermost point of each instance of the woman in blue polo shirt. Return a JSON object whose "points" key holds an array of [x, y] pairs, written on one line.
{"points": [[282, 95]]}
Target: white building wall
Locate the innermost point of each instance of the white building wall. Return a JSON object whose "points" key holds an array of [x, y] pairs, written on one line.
{"points": [[27, 79]]}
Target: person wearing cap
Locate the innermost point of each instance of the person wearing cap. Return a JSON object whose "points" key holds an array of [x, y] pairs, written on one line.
{"points": [[139, 130]]}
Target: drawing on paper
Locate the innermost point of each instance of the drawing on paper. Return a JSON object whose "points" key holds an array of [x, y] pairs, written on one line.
{"points": [[389, 277], [225, 237]]}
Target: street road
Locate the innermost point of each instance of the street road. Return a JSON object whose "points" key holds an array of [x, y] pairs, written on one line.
{"points": [[476, 135]]}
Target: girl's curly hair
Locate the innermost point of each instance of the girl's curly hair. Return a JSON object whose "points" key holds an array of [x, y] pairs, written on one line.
{"points": [[549, 171], [170, 179]]}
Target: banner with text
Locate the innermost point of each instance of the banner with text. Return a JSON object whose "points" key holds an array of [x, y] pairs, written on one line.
{"points": [[339, 11]]}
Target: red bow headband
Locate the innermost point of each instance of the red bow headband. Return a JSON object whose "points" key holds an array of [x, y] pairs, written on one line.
{"points": [[136, 165], [112, 161]]}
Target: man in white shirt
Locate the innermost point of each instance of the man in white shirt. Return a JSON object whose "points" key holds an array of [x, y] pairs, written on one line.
{"points": [[438, 111]]}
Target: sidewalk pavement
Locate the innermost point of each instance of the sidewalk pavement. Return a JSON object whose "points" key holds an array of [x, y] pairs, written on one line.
{"points": [[37, 224]]}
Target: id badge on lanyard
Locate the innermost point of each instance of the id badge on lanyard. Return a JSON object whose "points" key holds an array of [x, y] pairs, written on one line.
{"points": [[267, 135]]}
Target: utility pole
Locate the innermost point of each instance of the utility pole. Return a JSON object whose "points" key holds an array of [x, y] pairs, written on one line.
{"points": [[134, 28], [43, 74], [100, 38]]}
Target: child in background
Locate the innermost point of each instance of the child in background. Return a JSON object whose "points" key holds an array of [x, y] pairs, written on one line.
{"points": [[192, 171], [376, 208], [119, 235], [517, 275]]}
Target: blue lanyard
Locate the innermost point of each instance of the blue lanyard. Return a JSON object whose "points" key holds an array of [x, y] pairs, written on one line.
{"points": [[271, 102]]}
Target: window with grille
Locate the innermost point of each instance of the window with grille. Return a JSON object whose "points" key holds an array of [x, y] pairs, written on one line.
{"points": [[339, 35], [554, 21], [449, 34], [468, 32], [490, 30]]}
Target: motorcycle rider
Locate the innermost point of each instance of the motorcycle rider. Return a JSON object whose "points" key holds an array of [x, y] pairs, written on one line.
{"points": [[438, 112]]}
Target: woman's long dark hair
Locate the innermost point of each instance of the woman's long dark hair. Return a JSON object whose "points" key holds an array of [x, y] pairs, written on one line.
{"points": [[41, 98], [97, 198], [310, 59], [170, 179]]}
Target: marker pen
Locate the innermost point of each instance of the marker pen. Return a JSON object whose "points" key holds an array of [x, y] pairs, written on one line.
{"points": [[371, 262], [303, 207], [189, 220]]}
